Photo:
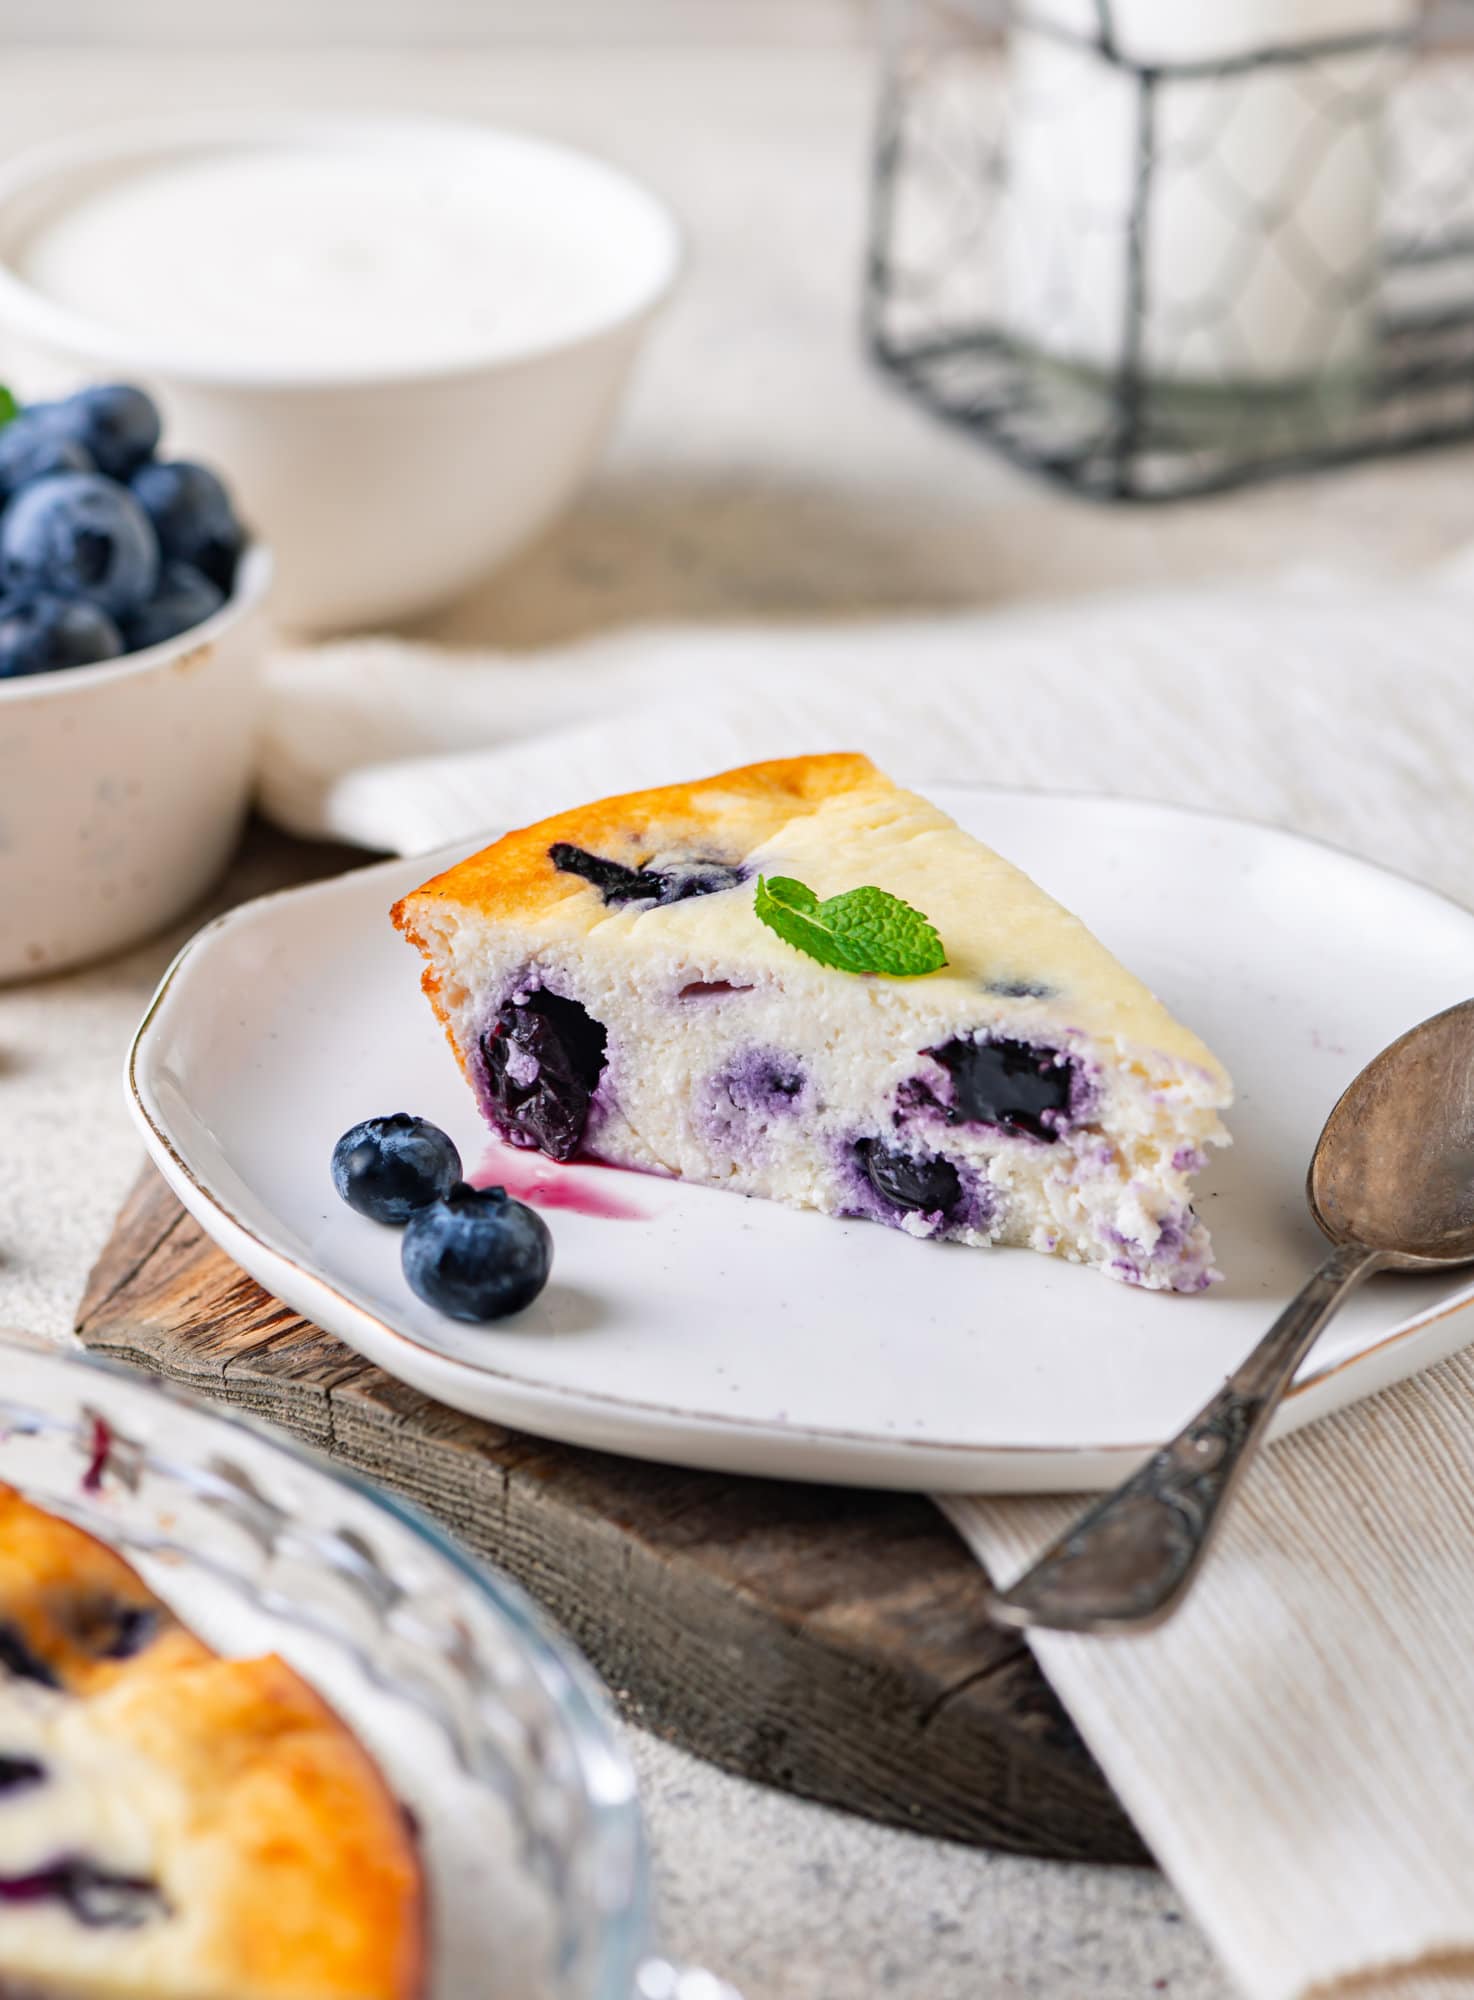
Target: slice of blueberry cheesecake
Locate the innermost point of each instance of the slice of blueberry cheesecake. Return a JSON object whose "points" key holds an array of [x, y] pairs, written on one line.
{"points": [[175, 1825], [797, 980]]}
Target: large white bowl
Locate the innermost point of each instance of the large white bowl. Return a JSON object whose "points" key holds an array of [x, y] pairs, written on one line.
{"points": [[384, 490], [123, 786]]}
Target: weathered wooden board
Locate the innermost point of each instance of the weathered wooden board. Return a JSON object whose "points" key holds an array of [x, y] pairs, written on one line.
{"points": [[824, 1640]]}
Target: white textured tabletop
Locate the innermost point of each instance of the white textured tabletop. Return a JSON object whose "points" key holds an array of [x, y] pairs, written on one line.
{"points": [[761, 470]]}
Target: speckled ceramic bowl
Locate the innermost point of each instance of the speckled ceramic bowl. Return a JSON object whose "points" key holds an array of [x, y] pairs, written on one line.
{"points": [[123, 786]]}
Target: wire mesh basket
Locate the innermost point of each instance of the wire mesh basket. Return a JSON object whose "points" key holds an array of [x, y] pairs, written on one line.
{"points": [[1151, 251]]}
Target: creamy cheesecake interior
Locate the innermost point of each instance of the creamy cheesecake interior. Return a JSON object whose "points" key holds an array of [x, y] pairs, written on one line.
{"points": [[609, 990]]}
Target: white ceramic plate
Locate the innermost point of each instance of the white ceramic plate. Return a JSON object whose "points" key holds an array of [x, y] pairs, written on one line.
{"points": [[705, 1329]]}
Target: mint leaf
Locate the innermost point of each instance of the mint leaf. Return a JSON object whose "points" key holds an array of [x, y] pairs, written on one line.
{"points": [[793, 911], [888, 934], [795, 896], [864, 930], [9, 407]]}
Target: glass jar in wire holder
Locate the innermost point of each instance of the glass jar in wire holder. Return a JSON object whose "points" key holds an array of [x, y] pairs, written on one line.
{"points": [[1153, 250], [492, 1733]]}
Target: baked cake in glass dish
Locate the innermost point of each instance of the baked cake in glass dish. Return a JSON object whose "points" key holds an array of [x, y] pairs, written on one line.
{"points": [[610, 988], [175, 1825]]}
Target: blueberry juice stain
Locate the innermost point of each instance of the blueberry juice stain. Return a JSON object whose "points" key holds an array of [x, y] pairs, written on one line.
{"points": [[544, 1183]]}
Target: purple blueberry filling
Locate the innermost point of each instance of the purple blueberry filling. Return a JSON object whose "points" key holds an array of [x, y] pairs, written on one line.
{"points": [[755, 1089], [1017, 1085], [110, 1630], [765, 1080], [543, 1055], [102, 1451], [914, 1093], [887, 1185], [614, 882], [925, 1183], [699, 878], [91, 1895], [1177, 1251], [1019, 989], [18, 1774], [102, 1626], [618, 884], [133, 1628], [16, 1657]]}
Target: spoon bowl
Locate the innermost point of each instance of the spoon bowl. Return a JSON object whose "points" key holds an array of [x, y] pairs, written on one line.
{"points": [[1394, 1168]]}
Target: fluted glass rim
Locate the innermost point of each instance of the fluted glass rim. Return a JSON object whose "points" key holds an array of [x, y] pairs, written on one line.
{"points": [[576, 1701]]}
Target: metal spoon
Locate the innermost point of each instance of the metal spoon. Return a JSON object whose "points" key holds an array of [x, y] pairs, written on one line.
{"points": [[1392, 1186]]}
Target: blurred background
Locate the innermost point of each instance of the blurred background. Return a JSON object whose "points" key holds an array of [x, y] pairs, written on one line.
{"points": [[346, 23]]}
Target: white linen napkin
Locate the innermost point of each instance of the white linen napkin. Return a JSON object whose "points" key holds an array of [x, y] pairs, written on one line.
{"points": [[1343, 711], [1298, 1744]]}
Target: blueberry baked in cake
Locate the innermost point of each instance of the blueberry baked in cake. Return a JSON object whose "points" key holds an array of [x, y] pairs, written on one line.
{"points": [[175, 1825], [797, 980]]}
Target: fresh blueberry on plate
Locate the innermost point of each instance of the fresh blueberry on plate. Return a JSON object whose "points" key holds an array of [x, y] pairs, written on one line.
{"points": [[33, 445], [77, 534], [40, 634], [184, 598], [192, 516], [477, 1255], [391, 1168], [117, 424]]}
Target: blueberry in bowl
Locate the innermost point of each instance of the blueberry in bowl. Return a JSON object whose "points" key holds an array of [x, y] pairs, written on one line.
{"points": [[192, 516], [183, 598], [478, 1255], [81, 536], [31, 447], [91, 514], [116, 424], [40, 634]]}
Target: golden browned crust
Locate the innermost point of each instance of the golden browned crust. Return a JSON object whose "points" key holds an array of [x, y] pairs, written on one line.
{"points": [[300, 1854], [67, 1595], [723, 817], [324, 1892], [734, 810]]}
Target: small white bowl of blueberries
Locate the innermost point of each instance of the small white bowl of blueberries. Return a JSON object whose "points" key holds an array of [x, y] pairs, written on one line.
{"points": [[128, 594]]}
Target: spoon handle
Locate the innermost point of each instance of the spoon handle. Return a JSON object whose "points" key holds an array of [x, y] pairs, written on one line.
{"points": [[1126, 1564]]}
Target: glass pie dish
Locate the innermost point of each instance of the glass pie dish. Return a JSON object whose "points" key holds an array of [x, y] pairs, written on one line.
{"points": [[495, 1736]]}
